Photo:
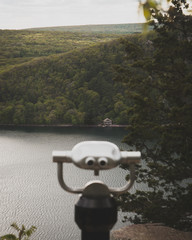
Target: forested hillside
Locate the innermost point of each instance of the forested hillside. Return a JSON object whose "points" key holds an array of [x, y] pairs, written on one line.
{"points": [[73, 85], [21, 46]]}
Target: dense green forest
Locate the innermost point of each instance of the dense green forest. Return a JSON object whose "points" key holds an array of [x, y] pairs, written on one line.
{"points": [[60, 78], [21, 46]]}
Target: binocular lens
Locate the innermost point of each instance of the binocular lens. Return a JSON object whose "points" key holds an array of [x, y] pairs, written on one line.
{"points": [[90, 162], [102, 163]]}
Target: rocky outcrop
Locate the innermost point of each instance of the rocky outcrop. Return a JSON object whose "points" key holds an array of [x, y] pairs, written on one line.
{"points": [[149, 232]]}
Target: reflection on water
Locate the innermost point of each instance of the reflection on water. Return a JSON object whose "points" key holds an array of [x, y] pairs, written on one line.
{"points": [[29, 190]]}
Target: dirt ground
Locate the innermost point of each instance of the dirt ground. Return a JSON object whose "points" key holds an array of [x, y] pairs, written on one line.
{"points": [[149, 232]]}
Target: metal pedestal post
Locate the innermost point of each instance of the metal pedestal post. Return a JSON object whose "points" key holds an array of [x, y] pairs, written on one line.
{"points": [[96, 214]]}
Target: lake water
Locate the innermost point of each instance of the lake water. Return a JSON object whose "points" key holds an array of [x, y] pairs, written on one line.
{"points": [[29, 190]]}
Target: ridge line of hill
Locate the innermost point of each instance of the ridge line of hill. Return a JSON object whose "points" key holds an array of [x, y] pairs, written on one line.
{"points": [[52, 57], [123, 28]]}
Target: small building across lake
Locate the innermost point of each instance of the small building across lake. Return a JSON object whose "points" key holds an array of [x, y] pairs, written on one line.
{"points": [[107, 122]]}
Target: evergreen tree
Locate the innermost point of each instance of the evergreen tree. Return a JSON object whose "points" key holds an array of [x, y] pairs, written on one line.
{"points": [[158, 76]]}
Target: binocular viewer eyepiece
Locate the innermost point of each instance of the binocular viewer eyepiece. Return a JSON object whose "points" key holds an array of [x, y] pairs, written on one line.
{"points": [[96, 156]]}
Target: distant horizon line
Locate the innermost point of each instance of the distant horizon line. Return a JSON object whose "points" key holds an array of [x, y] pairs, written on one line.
{"points": [[75, 25]]}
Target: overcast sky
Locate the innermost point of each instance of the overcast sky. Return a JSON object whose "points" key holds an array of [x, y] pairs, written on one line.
{"points": [[19, 14]]}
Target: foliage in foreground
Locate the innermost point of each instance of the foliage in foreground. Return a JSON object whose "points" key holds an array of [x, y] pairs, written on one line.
{"points": [[159, 83], [23, 233]]}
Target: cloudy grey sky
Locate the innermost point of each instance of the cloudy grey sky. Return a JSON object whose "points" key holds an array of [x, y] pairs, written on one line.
{"points": [[18, 14]]}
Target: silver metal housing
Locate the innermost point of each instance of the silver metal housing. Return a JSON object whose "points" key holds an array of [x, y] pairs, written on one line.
{"points": [[96, 156]]}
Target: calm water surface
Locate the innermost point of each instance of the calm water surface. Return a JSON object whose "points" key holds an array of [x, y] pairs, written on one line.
{"points": [[29, 190]]}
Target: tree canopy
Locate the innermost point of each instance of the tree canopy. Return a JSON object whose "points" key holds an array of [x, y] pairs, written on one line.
{"points": [[158, 77], [73, 87]]}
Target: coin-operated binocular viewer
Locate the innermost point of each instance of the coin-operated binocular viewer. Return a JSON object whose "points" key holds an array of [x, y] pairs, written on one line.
{"points": [[96, 210]]}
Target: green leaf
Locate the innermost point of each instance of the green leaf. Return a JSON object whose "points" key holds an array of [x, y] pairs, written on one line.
{"points": [[15, 226], [8, 237]]}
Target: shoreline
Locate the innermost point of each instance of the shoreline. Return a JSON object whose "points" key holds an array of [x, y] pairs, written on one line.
{"points": [[62, 125]]}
